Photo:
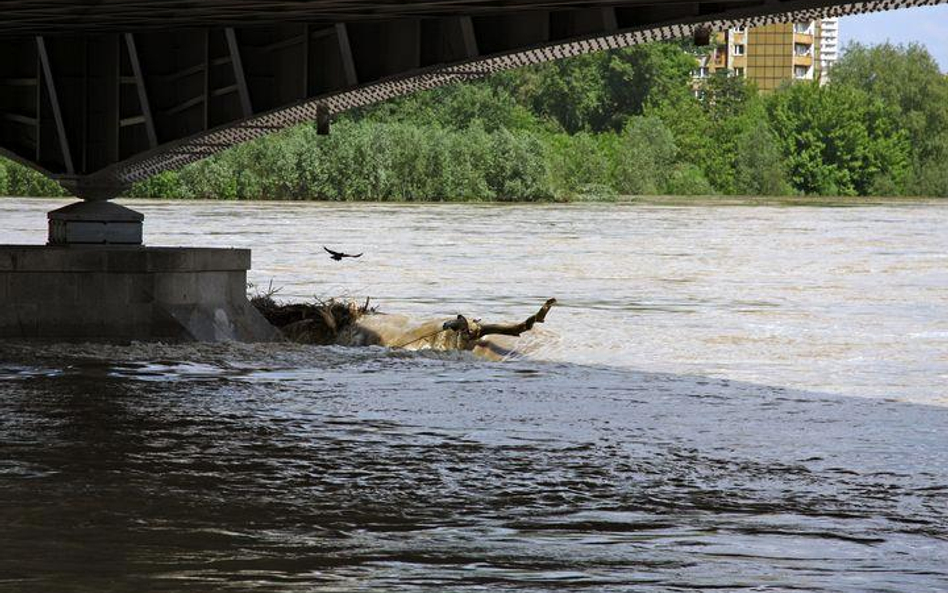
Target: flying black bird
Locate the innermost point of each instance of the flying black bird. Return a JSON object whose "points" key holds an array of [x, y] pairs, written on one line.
{"points": [[336, 255]]}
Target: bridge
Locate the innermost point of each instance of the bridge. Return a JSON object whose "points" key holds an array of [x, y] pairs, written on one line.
{"points": [[100, 94]]}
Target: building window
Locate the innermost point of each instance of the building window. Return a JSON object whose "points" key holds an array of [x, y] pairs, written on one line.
{"points": [[739, 72], [738, 49], [700, 73], [802, 49], [800, 72], [802, 28]]}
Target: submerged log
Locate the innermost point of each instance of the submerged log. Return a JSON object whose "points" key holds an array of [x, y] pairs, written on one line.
{"points": [[474, 330], [348, 324]]}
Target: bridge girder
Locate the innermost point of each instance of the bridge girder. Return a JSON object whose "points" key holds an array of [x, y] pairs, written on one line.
{"points": [[99, 95]]}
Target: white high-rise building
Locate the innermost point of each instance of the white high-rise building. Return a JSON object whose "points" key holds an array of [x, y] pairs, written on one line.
{"points": [[829, 47]]}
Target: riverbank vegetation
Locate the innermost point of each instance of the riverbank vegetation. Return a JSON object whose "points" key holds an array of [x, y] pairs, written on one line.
{"points": [[627, 122]]}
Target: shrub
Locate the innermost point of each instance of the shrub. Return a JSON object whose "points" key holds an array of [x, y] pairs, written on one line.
{"points": [[688, 180]]}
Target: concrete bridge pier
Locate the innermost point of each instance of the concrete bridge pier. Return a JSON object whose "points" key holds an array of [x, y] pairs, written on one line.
{"points": [[124, 293], [95, 281]]}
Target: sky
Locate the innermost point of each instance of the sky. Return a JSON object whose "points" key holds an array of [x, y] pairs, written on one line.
{"points": [[927, 25]]}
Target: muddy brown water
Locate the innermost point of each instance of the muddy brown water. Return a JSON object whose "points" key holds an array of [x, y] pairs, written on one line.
{"points": [[727, 398]]}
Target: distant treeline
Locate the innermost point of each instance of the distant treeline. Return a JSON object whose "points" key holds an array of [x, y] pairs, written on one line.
{"points": [[626, 122]]}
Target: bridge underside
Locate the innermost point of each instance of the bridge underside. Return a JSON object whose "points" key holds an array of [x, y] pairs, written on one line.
{"points": [[99, 95]]}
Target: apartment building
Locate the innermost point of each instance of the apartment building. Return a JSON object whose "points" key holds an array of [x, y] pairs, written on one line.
{"points": [[829, 46], [773, 54]]}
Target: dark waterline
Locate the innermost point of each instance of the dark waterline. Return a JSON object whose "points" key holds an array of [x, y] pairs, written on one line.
{"points": [[201, 476]]}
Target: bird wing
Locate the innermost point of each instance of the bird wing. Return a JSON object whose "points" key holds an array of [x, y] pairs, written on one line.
{"points": [[360, 255], [331, 252]]}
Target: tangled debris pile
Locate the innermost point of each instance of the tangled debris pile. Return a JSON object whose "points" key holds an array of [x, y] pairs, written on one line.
{"points": [[347, 323], [319, 322]]}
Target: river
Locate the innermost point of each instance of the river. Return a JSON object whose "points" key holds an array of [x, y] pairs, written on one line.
{"points": [[726, 397]]}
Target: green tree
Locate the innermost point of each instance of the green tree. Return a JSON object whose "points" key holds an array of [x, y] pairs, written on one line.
{"points": [[645, 156], [642, 75], [837, 140], [724, 96], [690, 125], [731, 107], [599, 92], [458, 106], [908, 80], [569, 92], [759, 169]]}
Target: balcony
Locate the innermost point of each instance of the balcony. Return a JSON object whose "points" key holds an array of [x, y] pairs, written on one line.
{"points": [[801, 38], [805, 61]]}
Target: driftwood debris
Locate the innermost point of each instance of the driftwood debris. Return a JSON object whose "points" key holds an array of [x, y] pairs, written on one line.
{"points": [[312, 323], [347, 323], [472, 330]]}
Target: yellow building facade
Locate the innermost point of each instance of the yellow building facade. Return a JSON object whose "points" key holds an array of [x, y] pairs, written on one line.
{"points": [[769, 56]]}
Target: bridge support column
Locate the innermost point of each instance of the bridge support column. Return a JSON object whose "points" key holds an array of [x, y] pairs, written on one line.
{"points": [[95, 223], [95, 220]]}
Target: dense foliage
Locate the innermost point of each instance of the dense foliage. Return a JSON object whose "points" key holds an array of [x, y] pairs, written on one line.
{"points": [[626, 122]]}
